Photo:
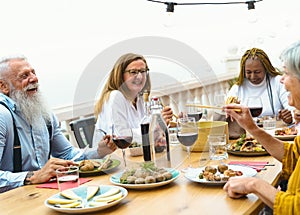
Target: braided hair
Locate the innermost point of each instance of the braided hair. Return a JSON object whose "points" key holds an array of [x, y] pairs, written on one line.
{"points": [[256, 54]]}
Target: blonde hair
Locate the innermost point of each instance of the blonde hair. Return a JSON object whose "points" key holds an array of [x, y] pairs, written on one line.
{"points": [[256, 54], [115, 80]]}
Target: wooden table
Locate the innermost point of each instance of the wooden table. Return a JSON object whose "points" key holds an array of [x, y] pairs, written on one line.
{"points": [[179, 197]]}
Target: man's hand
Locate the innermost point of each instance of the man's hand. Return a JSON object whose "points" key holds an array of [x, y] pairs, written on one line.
{"points": [[48, 171]]}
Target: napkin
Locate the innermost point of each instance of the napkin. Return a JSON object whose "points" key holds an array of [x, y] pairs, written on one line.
{"points": [[257, 165], [53, 184]]}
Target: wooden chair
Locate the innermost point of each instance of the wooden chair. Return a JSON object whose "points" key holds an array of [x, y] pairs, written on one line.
{"points": [[83, 131]]}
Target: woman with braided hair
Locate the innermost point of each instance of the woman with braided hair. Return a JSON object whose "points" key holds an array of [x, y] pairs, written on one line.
{"points": [[259, 78]]}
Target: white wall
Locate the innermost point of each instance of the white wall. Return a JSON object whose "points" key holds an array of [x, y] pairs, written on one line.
{"points": [[61, 37]]}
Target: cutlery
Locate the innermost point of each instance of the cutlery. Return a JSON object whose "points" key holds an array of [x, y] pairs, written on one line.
{"points": [[80, 153], [106, 160]]}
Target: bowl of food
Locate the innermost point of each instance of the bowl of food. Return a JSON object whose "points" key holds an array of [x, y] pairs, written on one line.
{"points": [[135, 149]]}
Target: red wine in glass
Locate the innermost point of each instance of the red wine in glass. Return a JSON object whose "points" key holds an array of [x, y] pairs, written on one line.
{"points": [[255, 111], [122, 138], [196, 115], [187, 139], [122, 141]]}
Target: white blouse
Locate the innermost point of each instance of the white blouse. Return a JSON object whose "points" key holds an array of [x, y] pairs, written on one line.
{"points": [[247, 89], [121, 113]]}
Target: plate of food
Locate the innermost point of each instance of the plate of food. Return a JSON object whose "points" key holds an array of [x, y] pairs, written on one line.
{"points": [[285, 133], [246, 146], [218, 175], [145, 176], [86, 199], [96, 166]]}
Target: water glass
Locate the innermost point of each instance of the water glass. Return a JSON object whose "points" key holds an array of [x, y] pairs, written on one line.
{"points": [[269, 122], [67, 177], [217, 147]]}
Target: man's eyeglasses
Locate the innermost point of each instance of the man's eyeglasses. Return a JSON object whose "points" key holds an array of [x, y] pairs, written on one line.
{"points": [[135, 72]]}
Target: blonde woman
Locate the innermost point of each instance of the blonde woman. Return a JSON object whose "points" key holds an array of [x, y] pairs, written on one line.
{"points": [[121, 102]]}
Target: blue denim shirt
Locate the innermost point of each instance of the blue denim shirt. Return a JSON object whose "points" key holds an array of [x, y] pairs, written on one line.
{"points": [[34, 145]]}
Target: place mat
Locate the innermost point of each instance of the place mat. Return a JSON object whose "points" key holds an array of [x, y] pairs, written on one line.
{"points": [[257, 165], [53, 184]]}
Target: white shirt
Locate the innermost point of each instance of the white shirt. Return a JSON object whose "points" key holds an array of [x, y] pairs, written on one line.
{"points": [[121, 113], [247, 89]]}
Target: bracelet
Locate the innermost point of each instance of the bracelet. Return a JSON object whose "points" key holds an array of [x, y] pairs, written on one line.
{"points": [[27, 178]]}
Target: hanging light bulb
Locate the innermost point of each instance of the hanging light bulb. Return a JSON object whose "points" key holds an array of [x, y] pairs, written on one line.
{"points": [[168, 19]]}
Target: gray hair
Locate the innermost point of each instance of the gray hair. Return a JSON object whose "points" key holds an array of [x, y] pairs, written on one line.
{"points": [[4, 66], [291, 58]]}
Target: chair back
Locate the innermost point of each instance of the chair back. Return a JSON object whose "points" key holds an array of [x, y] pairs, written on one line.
{"points": [[83, 131]]}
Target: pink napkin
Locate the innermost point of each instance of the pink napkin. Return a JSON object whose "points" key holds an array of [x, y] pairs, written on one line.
{"points": [[53, 184], [257, 165]]}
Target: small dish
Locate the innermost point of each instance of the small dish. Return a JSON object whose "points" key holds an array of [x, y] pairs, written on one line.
{"points": [[193, 174], [115, 179], [81, 192]]}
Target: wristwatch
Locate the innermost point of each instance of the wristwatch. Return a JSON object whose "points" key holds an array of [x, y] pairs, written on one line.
{"points": [[27, 178]]}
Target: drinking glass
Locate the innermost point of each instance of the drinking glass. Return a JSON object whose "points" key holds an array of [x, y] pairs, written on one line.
{"points": [[187, 134], [217, 147], [122, 137], [255, 106], [194, 112], [67, 177]]}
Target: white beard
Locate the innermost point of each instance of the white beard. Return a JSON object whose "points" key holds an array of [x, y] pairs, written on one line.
{"points": [[33, 108]]}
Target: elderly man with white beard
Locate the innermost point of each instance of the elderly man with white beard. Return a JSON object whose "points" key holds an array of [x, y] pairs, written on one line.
{"points": [[32, 145]]}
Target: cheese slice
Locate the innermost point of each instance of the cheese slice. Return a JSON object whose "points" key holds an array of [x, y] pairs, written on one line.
{"points": [[108, 198], [54, 201], [91, 191], [110, 192], [70, 194]]}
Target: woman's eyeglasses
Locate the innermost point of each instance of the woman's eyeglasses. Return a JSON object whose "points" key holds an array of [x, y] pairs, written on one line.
{"points": [[135, 72]]}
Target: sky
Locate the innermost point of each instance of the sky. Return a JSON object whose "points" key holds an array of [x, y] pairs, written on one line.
{"points": [[62, 37]]}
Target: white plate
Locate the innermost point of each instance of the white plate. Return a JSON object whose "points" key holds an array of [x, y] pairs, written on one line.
{"points": [[280, 137], [115, 179], [193, 174], [80, 191]]}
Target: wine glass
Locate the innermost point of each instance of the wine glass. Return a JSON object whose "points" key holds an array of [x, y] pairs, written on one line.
{"points": [[194, 112], [219, 101], [187, 134], [122, 137], [255, 106]]}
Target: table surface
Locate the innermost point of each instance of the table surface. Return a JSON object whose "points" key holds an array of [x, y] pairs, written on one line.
{"points": [[179, 197]]}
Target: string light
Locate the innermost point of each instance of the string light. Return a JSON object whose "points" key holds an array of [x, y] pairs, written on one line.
{"points": [[171, 5]]}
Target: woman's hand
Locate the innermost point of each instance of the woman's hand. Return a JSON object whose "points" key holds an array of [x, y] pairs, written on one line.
{"points": [[285, 115], [167, 114], [297, 116], [106, 146], [238, 187], [243, 116]]}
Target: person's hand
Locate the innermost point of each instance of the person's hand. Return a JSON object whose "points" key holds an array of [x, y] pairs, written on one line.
{"points": [[297, 116], [238, 187], [285, 115], [242, 116], [167, 114], [48, 171], [106, 146]]}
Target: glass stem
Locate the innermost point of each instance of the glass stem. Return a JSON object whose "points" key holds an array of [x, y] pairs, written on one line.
{"points": [[123, 152], [189, 156]]}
